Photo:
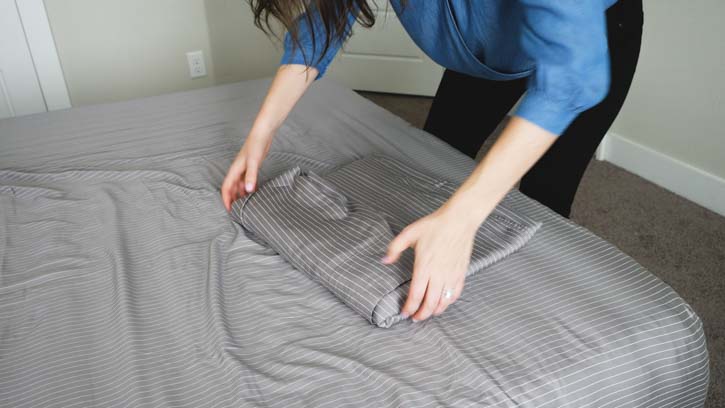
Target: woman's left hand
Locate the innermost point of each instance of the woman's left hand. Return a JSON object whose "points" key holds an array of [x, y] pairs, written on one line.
{"points": [[443, 242]]}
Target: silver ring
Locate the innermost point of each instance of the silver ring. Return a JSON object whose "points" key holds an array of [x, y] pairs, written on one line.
{"points": [[448, 294]]}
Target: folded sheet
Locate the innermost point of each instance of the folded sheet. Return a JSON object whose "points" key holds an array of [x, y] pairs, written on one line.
{"points": [[337, 227]]}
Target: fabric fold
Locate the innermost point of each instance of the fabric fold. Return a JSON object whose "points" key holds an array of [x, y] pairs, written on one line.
{"points": [[336, 228]]}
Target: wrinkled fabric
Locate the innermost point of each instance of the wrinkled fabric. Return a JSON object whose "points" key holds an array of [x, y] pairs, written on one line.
{"points": [[336, 229], [124, 281]]}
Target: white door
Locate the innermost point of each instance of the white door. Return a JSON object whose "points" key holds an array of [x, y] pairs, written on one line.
{"points": [[20, 91], [385, 59]]}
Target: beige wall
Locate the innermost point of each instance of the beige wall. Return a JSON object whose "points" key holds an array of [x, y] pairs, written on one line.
{"points": [[121, 49], [240, 50], [677, 102]]}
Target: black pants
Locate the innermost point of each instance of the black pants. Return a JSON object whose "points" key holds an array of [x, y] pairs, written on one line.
{"points": [[554, 179]]}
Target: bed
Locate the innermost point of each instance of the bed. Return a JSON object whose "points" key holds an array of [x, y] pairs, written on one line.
{"points": [[124, 282]]}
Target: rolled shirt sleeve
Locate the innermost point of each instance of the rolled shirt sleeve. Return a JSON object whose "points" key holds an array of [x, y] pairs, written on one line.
{"points": [[567, 40], [312, 43]]}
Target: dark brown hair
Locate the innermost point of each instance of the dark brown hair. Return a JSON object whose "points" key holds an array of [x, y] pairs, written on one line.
{"points": [[333, 14]]}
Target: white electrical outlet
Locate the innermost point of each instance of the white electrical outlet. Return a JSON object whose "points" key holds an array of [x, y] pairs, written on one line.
{"points": [[197, 67]]}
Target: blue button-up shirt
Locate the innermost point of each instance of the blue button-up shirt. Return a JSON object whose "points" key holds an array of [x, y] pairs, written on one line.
{"points": [[560, 45]]}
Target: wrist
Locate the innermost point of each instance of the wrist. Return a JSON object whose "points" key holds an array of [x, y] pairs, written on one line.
{"points": [[262, 129]]}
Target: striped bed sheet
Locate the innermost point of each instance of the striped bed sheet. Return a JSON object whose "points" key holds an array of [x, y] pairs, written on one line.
{"points": [[124, 282]]}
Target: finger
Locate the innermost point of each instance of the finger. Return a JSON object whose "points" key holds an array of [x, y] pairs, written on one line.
{"points": [[400, 243], [237, 168], [444, 303], [418, 286], [229, 192], [250, 178], [226, 197], [459, 289], [430, 302], [233, 195]]}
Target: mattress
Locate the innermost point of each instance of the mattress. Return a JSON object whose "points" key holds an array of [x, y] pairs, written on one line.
{"points": [[124, 282]]}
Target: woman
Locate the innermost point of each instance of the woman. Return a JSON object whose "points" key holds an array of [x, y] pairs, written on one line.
{"points": [[572, 60]]}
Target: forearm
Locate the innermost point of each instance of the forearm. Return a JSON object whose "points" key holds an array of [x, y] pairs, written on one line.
{"points": [[288, 86], [518, 148]]}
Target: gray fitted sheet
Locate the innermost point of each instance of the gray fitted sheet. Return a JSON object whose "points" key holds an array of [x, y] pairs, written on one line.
{"points": [[124, 282]]}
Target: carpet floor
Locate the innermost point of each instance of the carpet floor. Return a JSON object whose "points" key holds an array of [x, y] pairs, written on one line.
{"points": [[677, 240]]}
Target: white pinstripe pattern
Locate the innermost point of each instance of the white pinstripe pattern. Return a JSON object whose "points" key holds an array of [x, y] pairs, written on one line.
{"points": [[124, 283], [337, 227]]}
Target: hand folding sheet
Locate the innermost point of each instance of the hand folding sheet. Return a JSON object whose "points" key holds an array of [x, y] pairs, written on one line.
{"points": [[336, 228]]}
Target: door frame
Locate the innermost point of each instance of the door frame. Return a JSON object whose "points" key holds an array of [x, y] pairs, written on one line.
{"points": [[41, 43]]}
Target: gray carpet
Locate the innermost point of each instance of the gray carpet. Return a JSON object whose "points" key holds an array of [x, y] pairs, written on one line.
{"points": [[677, 240]]}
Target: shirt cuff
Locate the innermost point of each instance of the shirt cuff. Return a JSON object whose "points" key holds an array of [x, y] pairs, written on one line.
{"points": [[296, 57], [553, 116]]}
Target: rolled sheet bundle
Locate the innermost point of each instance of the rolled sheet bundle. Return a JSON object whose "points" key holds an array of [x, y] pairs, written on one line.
{"points": [[336, 228]]}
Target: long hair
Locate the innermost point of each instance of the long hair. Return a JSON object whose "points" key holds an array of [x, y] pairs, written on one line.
{"points": [[333, 14]]}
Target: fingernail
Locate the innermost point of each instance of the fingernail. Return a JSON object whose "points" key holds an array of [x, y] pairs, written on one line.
{"points": [[249, 187], [386, 259], [416, 320], [404, 315]]}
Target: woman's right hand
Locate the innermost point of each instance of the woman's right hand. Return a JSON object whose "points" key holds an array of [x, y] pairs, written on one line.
{"points": [[241, 177], [287, 87]]}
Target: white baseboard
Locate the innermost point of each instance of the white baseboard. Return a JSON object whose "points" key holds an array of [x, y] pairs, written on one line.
{"points": [[677, 176]]}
